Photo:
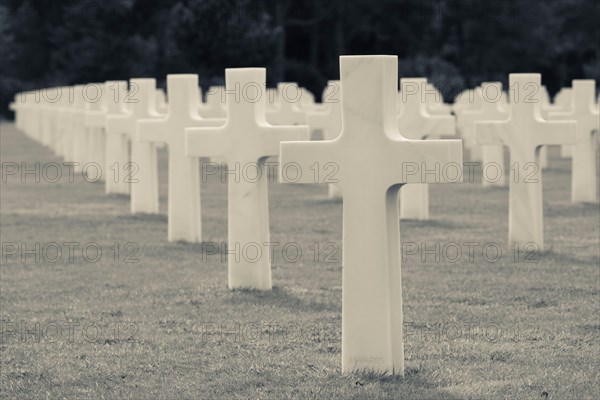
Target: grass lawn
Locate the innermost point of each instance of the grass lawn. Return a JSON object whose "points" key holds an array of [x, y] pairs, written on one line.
{"points": [[167, 327]]}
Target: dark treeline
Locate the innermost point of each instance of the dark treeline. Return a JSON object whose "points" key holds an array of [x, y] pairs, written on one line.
{"points": [[455, 43]]}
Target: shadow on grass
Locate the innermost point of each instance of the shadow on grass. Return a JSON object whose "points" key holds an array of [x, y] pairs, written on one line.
{"points": [[549, 255], [118, 196], [572, 210], [327, 201], [146, 217], [495, 189], [280, 298], [416, 383], [434, 223]]}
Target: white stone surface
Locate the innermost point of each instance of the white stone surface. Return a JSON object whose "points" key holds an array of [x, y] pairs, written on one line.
{"points": [[162, 105], [49, 100], [67, 135], [245, 141], [60, 122], [95, 122], [463, 101], [492, 157], [307, 101], [215, 106], [77, 126], [288, 111], [329, 122], [524, 132], [272, 100], [142, 172], [371, 156], [117, 158], [584, 182], [416, 122], [563, 101], [184, 172], [435, 101], [464, 123]]}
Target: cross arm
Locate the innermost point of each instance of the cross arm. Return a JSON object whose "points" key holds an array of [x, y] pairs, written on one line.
{"points": [[424, 161], [207, 141], [152, 130], [272, 136], [556, 132], [489, 132], [95, 118], [562, 115], [207, 122], [297, 161], [116, 124], [437, 125], [318, 120]]}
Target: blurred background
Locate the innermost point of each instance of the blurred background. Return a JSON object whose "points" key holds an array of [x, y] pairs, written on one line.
{"points": [[455, 43]]}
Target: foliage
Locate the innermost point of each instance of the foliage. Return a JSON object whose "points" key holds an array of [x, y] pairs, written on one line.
{"points": [[464, 42]]}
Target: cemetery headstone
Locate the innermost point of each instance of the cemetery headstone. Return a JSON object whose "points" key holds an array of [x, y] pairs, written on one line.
{"points": [[415, 122], [288, 111], [245, 141], [492, 157], [161, 101], [329, 122], [95, 122], [435, 101], [184, 218], [214, 107], [563, 101], [584, 186], [117, 161], [77, 127], [372, 158], [142, 170], [524, 132]]}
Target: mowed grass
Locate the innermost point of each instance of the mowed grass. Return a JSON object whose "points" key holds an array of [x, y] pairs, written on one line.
{"points": [[167, 327]]}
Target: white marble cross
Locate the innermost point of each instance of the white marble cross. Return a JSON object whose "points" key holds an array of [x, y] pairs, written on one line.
{"points": [[116, 166], [77, 126], [142, 171], [95, 122], [584, 186], [464, 101], [563, 101], [245, 141], [307, 102], [417, 123], [22, 106], [289, 111], [435, 101], [184, 221], [544, 106], [214, 107], [374, 160], [161, 101], [329, 122], [45, 118], [273, 100], [318, 116], [67, 113], [60, 124], [464, 123], [545, 103], [524, 132], [492, 157]]}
